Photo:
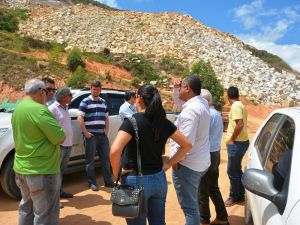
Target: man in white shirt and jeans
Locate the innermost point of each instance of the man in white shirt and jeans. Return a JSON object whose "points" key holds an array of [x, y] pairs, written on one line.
{"points": [[193, 122], [128, 108]]}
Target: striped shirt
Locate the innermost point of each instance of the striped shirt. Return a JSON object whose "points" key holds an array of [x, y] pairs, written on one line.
{"points": [[94, 114]]}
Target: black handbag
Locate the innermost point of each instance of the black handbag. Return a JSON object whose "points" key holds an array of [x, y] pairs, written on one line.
{"points": [[128, 201]]}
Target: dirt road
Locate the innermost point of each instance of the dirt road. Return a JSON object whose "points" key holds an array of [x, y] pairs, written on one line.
{"points": [[93, 208]]}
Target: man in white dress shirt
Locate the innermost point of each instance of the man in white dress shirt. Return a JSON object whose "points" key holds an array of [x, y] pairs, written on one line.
{"points": [[193, 122], [128, 108]]}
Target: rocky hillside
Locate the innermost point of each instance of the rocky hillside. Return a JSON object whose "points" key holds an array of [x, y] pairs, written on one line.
{"points": [[163, 35]]}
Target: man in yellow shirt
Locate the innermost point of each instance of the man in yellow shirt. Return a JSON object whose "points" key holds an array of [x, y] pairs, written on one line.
{"points": [[237, 142]]}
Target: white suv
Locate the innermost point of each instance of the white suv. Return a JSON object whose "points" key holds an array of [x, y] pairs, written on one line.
{"points": [[114, 100], [271, 177]]}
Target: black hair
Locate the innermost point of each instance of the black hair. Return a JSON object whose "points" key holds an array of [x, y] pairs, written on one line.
{"points": [[128, 95], [96, 84], [48, 80], [194, 82], [233, 93], [154, 108]]}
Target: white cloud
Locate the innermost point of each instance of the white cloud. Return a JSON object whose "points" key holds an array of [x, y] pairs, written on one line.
{"points": [[289, 53], [111, 3]]}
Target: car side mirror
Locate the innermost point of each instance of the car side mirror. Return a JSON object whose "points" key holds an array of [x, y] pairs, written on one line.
{"points": [[260, 183]]}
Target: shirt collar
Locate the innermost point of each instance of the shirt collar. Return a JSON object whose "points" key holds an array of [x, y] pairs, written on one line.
{"points": [[191, 100], [91, 97]]}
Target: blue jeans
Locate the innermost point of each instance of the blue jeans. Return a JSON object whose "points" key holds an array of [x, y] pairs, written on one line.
{"points": [[155, 186], [236, 152], [99, 144], [40, 199], [65, 153], [186, 183]]}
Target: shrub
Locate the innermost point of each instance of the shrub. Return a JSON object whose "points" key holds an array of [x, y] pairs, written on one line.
{"points": [[209, 81], [171, 66], [75, 60], [135, 81], [9, 19], [79, 78]]}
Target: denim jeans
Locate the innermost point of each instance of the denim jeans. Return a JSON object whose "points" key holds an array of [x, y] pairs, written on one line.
{"points": [[40, 199], [65, 153], [99, 145], [186, 183], [209, 187], [155, 186], [236, 152]]}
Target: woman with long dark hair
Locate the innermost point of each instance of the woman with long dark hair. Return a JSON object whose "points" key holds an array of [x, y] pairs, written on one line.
{"points": [[154, 130]]}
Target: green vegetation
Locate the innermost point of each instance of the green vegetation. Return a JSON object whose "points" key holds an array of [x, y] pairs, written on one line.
{"points": [[9, 19], [171, 66], [270, 59], [79, 78], [98, 57], [74, 59], [209, 81], [55, 53]]}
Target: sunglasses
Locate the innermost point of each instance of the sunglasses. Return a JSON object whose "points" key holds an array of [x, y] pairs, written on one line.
{"points": [[51, 89]]}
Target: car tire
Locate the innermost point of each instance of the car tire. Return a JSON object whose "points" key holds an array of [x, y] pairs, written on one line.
{"points": [[248, 214], [7, 179]]}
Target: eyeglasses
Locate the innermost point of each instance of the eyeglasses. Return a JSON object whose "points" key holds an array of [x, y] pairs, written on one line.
{"points": [[51, 89]]}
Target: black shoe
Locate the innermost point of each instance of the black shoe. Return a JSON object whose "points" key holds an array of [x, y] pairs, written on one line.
{"points": [[94, 187], [61, 205], [110, 185], [66, 195]]}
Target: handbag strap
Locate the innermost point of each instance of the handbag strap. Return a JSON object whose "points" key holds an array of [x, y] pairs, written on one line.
{"points": [[133, 122]]}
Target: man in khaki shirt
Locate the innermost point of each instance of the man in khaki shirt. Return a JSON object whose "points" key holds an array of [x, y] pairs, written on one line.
{"points": [[237, 142]]}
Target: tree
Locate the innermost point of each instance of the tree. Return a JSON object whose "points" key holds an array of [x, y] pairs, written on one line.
{"points": [[209, 81]]}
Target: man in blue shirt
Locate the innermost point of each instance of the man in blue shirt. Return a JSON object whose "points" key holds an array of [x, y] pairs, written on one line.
{"points": [[94, 122], [128, 108], [209, 183]]}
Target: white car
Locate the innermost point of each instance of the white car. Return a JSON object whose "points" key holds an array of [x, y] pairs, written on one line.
{"points": [[271, 180], [114, 99]]}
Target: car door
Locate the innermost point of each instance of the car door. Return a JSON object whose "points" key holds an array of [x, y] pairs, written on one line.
{"points": [[258, 148], [274, 144]]}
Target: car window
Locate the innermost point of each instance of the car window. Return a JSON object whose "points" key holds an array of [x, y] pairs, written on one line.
{"points": [[114, 103], [263, 141], [279, 158], [76, 102]]}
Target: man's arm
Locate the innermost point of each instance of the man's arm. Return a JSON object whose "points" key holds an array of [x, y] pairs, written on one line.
{"points": [[83, 128], [237, 130], [106, 130]]}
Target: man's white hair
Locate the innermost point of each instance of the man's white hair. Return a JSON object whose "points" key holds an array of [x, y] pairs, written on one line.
{"points": [[33, 85], [207, 95]]}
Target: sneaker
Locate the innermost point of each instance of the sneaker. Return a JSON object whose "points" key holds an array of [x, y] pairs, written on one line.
{"points": [[94, 187], [110, 185], [230, 202], [66, 195]]}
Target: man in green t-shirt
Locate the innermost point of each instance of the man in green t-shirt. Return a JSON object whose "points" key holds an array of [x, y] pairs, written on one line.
{"points": [[37, 136], [237, 143]]}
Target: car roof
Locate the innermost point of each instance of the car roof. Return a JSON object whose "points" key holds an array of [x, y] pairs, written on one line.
{"points": [[293, 112]]}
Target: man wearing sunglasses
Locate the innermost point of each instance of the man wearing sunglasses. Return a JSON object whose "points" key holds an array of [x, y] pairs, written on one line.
{"points": [[50, 87]]}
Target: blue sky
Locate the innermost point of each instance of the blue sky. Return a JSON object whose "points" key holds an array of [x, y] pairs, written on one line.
{"points": [[272, 25]]}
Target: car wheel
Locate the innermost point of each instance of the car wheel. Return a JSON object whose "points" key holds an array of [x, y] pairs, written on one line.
{"points": [[8, 182], [248, 214]]}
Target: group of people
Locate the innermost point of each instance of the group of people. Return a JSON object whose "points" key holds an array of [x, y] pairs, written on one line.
{"points": [[43, 153]]}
